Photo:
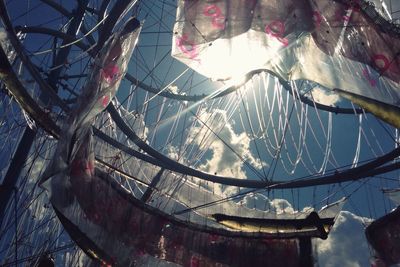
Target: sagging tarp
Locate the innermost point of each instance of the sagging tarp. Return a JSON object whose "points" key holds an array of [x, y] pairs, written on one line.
{"points": [[109, 67], [342, 44], [125, 229], [74, 150], [384, 236], [119, 229]]}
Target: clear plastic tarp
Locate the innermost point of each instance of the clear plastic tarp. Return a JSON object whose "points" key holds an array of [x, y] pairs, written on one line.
{"points": [[342, 44], [384, 236]]}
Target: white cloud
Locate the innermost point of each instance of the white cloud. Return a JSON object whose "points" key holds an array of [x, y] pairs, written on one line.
{"points": [[172, 152], [173, 89], [324, 97], [346, 245], [261, 202], [223, 160]]}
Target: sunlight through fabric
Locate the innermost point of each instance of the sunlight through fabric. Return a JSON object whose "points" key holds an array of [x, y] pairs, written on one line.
{"points": [[336, 44]]}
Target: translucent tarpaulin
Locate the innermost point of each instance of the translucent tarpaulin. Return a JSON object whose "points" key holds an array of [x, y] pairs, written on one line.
{"points": [[124, 230], [74, 153], [108, 223], [384, 236], [109, 68], [339, 44]]}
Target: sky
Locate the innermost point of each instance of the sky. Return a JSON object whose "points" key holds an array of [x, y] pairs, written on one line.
{"points": [[227, 117]]}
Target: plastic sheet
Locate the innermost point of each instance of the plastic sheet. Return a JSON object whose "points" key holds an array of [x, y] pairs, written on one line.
{"points": [[338, 44], [126, 230], [384, 236], [109, 67]]}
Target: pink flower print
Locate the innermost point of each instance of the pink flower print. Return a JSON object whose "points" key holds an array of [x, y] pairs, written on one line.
{"points": [[110, 73]]}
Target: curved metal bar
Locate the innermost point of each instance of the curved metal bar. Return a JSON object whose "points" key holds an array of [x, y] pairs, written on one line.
{"points": [[103, 8], [132, 152], [307, 101], [63, 53], [68, 14], [366, 170]]}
